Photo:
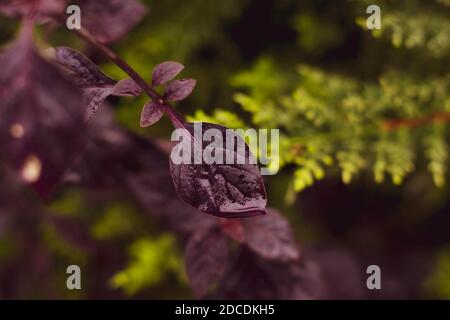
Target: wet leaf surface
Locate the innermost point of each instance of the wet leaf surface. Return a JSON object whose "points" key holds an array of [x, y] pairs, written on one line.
{"points": [[228, 191]]}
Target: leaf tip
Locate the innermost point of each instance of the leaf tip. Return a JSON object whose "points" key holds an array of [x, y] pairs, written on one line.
{"points": [[166, 71]]}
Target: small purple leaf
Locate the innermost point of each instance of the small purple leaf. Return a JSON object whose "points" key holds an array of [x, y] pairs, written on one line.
{"points": [[271, 237], [179, 89], [224, 190], [207, 259], [165, 72], [151, 113], [93, 98], [127, 88]]}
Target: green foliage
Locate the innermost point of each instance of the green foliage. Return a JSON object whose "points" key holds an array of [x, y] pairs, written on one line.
{"points": [[107, 221], [436, 152], [152, 260], [7, 247], [71, 203], [394, 156], [263, 81], [411, 24], [117, 220], [60, 246], [333, 119], [438, 282], [330, 33], [219, 116]]}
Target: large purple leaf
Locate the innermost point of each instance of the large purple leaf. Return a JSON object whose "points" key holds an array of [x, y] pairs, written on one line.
{"points": [[224, 190], [110, 20], [41, 122], [165, 72], [207, 257], [270, 236]]}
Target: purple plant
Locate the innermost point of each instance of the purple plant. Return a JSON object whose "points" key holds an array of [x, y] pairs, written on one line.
{"points": [[46, 138], [41, 123]]}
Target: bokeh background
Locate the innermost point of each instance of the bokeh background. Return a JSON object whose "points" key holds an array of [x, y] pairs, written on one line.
{"points": [[361, 181]]}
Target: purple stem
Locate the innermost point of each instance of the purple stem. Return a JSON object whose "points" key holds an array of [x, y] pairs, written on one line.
{"points": [[176, 119]]}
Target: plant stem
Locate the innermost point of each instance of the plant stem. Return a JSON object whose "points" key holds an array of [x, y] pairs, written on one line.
{"points": [[122, 64], [438, 117], [111, 55], [177, 120]]}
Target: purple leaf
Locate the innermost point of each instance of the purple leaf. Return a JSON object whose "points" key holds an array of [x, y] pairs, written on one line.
{"points": [[86, 74], [80, 69], [23, 8], [341, 271], [271, 237], [151, 113], [165, 72], [179, 89], [127, 88], [93, 99], [233, 228], [253, 278], [207, 258], [223, 190], [110, 20], [40, 116]]}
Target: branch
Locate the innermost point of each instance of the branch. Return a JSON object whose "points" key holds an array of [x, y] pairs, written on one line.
{"points": [[435, 118], [84, 34]]}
